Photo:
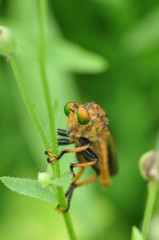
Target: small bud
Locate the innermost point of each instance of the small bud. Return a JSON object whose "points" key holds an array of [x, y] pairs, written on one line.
{"points": [[44, 179], [149, 165], [7, 41]]}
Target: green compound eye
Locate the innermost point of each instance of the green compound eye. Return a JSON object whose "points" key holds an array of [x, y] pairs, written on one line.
{"points": [[67, 108], [83, 116]]}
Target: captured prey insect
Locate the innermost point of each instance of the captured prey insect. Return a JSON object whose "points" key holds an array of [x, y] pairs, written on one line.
{"points": [[88, 130]]}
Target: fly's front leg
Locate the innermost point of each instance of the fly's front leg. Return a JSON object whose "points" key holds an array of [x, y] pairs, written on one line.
{"points": [[51, 157], [64, 133], [61, 141], [69, 150]]}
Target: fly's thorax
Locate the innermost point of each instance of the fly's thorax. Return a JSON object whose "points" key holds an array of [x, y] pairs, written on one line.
{"points": [[78, 129]]}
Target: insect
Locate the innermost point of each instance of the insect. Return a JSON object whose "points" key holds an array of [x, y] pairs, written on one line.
{"points": [[88, 130]]}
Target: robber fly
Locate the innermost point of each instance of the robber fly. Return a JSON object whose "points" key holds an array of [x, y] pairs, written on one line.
{"points": [[88, 130]]}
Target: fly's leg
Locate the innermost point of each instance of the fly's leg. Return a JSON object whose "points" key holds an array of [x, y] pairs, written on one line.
{"points": [[85, 143], [74, 185], [90, 157], [70, 150], [69, 192], [64, 133], [92, 160], [62, 141]]}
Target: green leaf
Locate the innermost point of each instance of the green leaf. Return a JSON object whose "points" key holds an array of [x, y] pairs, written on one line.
{"points": [[45, 179], [136, 234], [29, 187], [70, 57], [67, 56], [65, 178]]}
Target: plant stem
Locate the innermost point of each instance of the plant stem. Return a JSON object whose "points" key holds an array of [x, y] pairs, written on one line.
{"points": [[149, 207], [27, 101], [42, 17], [36, 121], [42, 29], [42, 62]]}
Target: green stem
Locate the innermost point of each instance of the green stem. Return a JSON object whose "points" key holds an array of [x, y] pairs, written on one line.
{"points": [[42, 17], [27, 101], [149, 207], [42, 29]]}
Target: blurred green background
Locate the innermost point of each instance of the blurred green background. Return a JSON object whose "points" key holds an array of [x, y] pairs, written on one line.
{"points": [[84, 38]]}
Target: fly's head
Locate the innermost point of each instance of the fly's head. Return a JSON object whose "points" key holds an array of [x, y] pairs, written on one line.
{"points": [[78, 116]]}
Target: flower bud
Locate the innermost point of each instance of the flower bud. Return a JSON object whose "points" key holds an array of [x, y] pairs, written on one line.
{"points": [[149, 165], [44, 179], [7, 41]]}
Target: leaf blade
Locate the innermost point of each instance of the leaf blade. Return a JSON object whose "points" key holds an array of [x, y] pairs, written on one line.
{"points": [[65, 178], [28, 187], [136, 234], [70, 57]]}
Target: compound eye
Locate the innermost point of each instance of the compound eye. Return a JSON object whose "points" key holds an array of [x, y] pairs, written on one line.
{"points": [[67, 108], [83, 115]]}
